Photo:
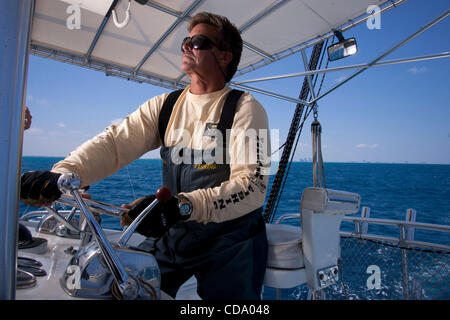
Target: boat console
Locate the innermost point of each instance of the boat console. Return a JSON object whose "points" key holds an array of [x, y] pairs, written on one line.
{"points": [[99, 268]]}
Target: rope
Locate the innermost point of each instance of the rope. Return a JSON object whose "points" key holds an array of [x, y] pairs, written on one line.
{"points": [[318, 169]]}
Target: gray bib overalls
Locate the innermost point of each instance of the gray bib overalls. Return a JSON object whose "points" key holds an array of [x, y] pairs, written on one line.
{"points": [[228, 258]]}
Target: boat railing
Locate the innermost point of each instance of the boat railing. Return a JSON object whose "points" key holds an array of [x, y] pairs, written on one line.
{"points": [[406, 230], [390, 264]]}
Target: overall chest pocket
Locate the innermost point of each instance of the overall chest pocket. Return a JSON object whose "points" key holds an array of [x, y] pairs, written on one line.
{"points": [[203, 172]]}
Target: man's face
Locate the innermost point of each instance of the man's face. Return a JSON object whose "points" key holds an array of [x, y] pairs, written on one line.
{"points": [[201, 62]]}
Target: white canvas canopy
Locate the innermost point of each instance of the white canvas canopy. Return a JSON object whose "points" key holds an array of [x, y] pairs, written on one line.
{"points": [[147, 49]]}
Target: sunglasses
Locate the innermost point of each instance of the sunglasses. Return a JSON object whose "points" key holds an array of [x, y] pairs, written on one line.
{"points": [[198, 42]]}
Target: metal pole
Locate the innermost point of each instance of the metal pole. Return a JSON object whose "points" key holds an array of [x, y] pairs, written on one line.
{"points": [[355, 66], [15, 27], [270, 94], [308, 77], [404, 256]]}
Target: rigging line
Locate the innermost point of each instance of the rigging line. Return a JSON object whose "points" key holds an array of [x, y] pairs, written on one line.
{"points": [[131, 183], [269, 213], [298, 131], [286, 175], [314, 85], [284, 179], [311, 107]]}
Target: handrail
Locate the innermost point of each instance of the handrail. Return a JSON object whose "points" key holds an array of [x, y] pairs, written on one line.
{"points": [[402, 243], [401, 224], [419, 225]]}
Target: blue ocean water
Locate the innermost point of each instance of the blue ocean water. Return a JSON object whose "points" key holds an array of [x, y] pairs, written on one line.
{"points": [[388, 189]]}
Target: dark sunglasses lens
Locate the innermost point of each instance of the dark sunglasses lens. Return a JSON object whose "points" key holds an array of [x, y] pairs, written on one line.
{"points": [[198, 42]]}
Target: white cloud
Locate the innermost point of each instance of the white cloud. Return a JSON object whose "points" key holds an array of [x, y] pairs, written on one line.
{"points": [[364, 145], [340, 79], [34, 130], [116, 121], [415, 70], [62, 125], [34, 101]]}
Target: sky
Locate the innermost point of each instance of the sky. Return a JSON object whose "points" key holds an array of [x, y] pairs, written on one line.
{"points": [[388, 114]]}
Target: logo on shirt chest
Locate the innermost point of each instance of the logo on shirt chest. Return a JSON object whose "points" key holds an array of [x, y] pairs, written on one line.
{"points": [[211, 130]]}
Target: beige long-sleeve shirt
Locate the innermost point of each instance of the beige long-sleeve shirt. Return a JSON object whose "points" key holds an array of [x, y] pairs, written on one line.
{"points": [[192, 116]]}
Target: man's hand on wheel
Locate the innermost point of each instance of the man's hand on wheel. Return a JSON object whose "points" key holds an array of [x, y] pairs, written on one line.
{"points": [[157, 221], [39, 188]]}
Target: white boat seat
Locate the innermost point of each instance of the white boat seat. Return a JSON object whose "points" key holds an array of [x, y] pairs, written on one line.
{"points": [[309, 254], [285, 246], [285, 264]]}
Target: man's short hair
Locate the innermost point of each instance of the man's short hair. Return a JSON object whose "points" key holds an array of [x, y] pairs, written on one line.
{"points": [[231, 38]]}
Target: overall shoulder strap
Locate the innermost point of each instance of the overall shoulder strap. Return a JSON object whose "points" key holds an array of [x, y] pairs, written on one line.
{"points": [[166, 111], [229, 110]]}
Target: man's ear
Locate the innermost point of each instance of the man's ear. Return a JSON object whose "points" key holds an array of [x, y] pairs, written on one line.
{"points": [[228, 56], [225, 58]]}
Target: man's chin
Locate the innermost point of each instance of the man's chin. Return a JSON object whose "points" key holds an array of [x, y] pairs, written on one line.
{"points": [[187, 69]]}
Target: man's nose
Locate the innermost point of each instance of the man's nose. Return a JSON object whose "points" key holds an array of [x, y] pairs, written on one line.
{"points": [[186, 46]]}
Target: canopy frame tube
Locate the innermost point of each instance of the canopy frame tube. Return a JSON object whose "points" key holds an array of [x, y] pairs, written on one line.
{"points": [[16, 29], [342, 68]]}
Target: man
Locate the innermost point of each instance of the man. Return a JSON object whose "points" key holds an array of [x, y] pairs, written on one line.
{"points": [[213, 227]]}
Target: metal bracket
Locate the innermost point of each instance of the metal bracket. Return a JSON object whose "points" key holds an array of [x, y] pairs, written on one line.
{"points": [[328, 276]]}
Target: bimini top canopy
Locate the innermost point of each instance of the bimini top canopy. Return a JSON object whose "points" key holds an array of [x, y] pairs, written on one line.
{"points": [[147, 49]]}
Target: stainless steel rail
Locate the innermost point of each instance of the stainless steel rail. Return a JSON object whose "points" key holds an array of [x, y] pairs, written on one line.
{"points": [[95, 206], [402, 225], [127, 285]]}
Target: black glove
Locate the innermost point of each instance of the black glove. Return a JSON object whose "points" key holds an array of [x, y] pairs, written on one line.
{"points": [[157, 221], [39, 187]]}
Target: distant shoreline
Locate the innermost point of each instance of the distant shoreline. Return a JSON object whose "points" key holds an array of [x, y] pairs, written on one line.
{"points": [[296, 161]]}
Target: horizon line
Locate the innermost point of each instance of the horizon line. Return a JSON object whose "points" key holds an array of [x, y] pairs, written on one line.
{"points": [[300, 161]]}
